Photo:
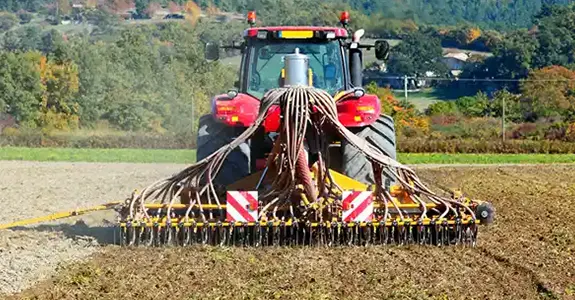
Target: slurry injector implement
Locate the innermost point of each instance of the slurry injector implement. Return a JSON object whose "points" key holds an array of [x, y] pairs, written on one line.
{"points": [[298, 154]]}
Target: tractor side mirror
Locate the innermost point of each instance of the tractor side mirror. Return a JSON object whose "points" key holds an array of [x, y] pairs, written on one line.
{"points": [[212, 51], [381, 49]]}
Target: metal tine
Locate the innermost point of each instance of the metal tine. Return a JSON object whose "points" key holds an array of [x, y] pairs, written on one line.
{"points": [[146, 236], [295, 233], [126, 236], [257, 235], [430, 234], [271, 233], [382, 233], [232, 241], [346, 238], [123, 237], [278, 235], [410, 235], [319, 235], [283, 233], [310, 231], [155, 234], [265, 236], [447, 232], [420, 231], [215, 237], [193, 233], [133, 235], [222, 234], [181, 234], [332, 232], [458, 232], [204, 235], [245, 236], [368, 234], [394, 232], [240, 235], [185, 235], [357, 234], [166, 235], [436, 233], [474, 234]]}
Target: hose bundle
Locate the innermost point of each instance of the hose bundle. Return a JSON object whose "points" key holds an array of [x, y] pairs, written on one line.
{"points": [[306, 112]]}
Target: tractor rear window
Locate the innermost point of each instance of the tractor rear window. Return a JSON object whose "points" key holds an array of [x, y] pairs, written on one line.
{"points": [[266, 63]]}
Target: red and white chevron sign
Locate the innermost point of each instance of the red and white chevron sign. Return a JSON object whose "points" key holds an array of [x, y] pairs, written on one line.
{"points": [[242, 206], [357, 206]]}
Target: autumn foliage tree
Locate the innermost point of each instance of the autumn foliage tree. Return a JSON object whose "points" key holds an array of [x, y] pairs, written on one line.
{"points": [[550, 91], [173, 7], [193, 12], [404, 116], [58, 109], [118, 6]]}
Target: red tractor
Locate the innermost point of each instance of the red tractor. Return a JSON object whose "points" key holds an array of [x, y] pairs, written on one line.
{"points": [[335, 63]]}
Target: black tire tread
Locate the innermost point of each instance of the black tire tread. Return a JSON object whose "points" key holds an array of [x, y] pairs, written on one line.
{"points": [[213, 135], [380, 134]]}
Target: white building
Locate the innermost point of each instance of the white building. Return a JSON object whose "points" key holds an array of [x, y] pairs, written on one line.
{"points": [[455, 62]]}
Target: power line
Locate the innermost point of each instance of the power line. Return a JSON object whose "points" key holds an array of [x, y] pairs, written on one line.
{"points": [[476, 79]]}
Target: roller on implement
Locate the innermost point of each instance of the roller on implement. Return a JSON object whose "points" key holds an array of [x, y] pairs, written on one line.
{"points": [[298, 154]]}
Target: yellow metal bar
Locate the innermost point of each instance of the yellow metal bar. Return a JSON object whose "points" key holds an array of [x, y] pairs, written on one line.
{"points": [[181, 206], [425, 222], [223, 206], [60, 215]]}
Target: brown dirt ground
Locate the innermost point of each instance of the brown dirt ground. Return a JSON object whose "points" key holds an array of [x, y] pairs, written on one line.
{"points": [[529, 253]]}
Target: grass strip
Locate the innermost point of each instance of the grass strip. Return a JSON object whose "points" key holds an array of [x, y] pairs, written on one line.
{"points": [[189, 156]]}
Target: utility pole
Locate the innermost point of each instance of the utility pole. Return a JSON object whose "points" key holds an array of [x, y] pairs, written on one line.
{"points": [[503, 118], [193, 112], [405, 86]]}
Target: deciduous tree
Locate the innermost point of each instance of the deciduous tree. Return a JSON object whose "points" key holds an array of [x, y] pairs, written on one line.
{"points": [[549, 91]]}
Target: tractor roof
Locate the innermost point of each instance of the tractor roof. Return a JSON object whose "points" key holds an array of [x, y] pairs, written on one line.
{"points": [[291, 30]]}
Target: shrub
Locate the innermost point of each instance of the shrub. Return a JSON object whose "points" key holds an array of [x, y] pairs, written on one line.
{"points": [[475, 106], [443, 120], [442, 108], [524, 131], [24, 16], [425, 145], [36, 138], [7, 21]]}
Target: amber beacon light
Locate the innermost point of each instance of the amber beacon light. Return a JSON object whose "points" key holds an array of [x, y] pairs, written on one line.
{"points": [[252, 18], [344, 18]]}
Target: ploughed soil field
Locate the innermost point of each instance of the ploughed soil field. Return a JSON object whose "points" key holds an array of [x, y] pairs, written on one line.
{"points": [[529, 253]]}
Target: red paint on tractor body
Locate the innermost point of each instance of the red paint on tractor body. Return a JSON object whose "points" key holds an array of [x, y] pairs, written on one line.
{"points": [[358, 112], [241, 110], [272, 122], [339, 32]]}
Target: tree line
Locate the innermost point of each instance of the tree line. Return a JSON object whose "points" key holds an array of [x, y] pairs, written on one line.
{"points": [[137, 78]]}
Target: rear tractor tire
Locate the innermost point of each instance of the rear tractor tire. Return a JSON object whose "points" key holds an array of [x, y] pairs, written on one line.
{"points": [[213, 135], [356, 165]]}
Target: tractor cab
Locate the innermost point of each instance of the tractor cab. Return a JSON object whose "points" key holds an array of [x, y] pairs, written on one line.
{"points": [[335, 63]]}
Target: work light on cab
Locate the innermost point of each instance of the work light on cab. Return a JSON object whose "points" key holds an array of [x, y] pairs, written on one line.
{"points": [[252, 18], [344, 18]]}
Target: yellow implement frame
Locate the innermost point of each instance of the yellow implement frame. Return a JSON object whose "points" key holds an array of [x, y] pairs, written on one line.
{"points": [[60, 215]]}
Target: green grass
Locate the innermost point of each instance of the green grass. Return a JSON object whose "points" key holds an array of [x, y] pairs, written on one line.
{"points": [[189, 156], [490, 158], [98, 155], [422, 99]]}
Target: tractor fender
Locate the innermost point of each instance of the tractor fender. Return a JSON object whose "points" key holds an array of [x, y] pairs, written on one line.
{"points": [[240, 110], [358, 111]]}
